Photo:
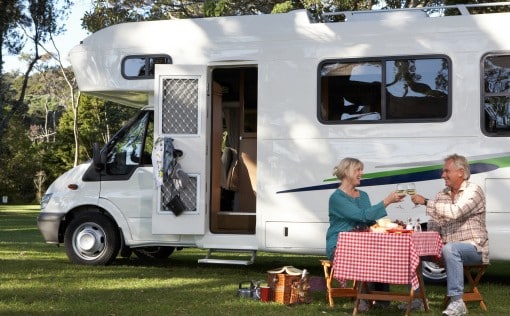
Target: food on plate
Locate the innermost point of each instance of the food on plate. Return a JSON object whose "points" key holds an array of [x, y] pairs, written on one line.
{"points": [[377, 229], [382, 222], [385, 225]]}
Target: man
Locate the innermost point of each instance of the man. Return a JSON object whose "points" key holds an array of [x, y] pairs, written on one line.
{"points": [[458, 214]]}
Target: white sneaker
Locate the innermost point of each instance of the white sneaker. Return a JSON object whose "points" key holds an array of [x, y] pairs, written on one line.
{"points": [[456, 308], [416, 305]]}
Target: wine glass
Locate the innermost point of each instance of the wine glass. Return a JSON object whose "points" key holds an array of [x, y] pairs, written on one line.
{"points": [[411, 190], [401, 192]]}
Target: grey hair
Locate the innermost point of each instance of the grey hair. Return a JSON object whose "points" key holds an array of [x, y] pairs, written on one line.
{"points": [[346, 167], [461, 163]]}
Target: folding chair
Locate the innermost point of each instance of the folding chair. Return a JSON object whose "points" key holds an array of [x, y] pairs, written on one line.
{"points": [[472, 294], [335, 291]]}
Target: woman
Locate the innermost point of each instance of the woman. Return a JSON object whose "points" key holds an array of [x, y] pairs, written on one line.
{"points": [[350, 208]]}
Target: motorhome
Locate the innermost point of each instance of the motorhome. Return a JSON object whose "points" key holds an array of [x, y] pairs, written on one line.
{"points": [[261, 108]]}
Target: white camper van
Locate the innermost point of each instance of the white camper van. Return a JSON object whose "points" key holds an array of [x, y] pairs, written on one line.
{"points": [[261, 109]]}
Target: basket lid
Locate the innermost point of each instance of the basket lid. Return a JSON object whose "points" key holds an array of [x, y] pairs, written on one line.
{"points": [[290, 270]]}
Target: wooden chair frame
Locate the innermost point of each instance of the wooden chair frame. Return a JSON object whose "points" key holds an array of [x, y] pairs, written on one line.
{"points": [[472, 294], [335, 291]]}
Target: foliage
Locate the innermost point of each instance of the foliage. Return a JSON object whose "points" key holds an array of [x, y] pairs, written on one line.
{"points": [[20, 162], [30, 148], [47, 98], [96, 118], [11, 37], [491, 9], [106, 13], [21, 21]]}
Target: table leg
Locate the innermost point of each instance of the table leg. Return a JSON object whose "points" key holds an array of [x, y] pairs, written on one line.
{"points": [[359, 286], [422, 294], [362, 292]]}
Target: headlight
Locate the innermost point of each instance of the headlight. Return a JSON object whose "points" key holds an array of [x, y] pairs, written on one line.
{"points": [[45, 199]]}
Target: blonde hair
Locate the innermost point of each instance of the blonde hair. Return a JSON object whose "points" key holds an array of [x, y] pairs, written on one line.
{"points": [[461, 163], [346, 167]]}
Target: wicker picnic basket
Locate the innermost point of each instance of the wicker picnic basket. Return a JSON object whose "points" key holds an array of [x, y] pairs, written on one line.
{"points": [[287, 285]]}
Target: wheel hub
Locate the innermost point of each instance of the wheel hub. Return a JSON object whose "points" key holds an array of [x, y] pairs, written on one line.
{"points": [[90, 241]]}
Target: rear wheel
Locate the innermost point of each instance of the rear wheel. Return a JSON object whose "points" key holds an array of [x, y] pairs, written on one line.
{"points": [[92, 239], [432, 272]]}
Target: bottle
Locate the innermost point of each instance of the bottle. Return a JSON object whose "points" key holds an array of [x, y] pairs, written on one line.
{"points": [[409, 225], [417, 225]]}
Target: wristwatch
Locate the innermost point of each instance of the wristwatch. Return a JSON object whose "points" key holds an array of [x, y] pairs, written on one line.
{"points": [[425, 201]]}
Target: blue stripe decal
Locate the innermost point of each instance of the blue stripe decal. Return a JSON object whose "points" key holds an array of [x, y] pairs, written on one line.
{"points": [[397, 178]]}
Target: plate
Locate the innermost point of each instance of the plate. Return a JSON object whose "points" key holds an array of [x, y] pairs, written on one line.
{"points": [[399, 231]]}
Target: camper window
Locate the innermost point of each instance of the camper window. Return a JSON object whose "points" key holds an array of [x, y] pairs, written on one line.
{"points": [[496, 95], [142, 66], [384, 90]]}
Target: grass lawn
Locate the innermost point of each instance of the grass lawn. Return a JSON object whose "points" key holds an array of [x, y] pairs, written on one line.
{"points": [[38, 279]]}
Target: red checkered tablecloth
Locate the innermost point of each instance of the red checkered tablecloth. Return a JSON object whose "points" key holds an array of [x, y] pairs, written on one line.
{"points": [[383, 257]]}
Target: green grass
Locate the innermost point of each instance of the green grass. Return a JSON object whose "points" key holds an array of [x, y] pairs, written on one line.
{"points": [[38, 279]]}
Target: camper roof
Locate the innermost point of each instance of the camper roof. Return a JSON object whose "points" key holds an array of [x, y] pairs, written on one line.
{"points": [[98, 61]]}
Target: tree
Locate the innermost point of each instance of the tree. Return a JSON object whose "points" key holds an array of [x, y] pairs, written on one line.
{"points": [[108, 13], [47, 98], [34, 21], [96, 118], [20, 163], [10, 36]]}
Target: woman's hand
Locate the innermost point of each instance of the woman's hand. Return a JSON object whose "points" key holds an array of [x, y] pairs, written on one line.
{"points": [[393, 197]]}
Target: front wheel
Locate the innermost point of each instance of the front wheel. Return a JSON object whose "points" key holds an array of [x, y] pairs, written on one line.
{"points": [[92, 239]]}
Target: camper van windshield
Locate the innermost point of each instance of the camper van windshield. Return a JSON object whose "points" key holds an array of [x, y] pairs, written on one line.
{"points": [[132, 148], [384, 89]]}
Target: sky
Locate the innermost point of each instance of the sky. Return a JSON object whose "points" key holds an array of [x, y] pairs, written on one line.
{"points": [[64, 42]]}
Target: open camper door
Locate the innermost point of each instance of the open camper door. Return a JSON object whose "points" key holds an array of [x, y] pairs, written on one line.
{"points": [[180, 113]]}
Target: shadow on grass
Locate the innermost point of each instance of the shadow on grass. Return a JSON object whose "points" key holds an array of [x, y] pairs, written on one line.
{"points": [[188, 258]]}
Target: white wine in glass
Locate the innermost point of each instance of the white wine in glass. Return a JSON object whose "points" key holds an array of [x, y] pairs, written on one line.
{"points": [[401, 192], [411, 190]]}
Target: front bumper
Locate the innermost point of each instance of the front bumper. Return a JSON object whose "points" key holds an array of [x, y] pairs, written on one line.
{"points": [[49, 224]]}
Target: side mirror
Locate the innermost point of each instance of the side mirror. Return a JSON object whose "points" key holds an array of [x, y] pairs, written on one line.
{"points": [[98, 158]]}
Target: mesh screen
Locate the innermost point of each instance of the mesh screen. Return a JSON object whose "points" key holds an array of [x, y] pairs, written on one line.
{"points": [[180, 106], [188, 195]]}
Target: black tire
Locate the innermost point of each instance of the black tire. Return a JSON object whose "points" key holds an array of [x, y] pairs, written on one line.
{"points": [[153, 253], [92, 239]]}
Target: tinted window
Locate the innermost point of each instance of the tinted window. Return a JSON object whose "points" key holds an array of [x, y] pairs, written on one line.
{"points": [[142, 67], [496, 95], [384, 89]]}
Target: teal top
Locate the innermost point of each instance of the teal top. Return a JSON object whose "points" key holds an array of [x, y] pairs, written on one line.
{"points": [[347, 213]]}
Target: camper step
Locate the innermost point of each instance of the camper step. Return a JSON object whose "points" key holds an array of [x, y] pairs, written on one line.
{"points": [[208, 258]]}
